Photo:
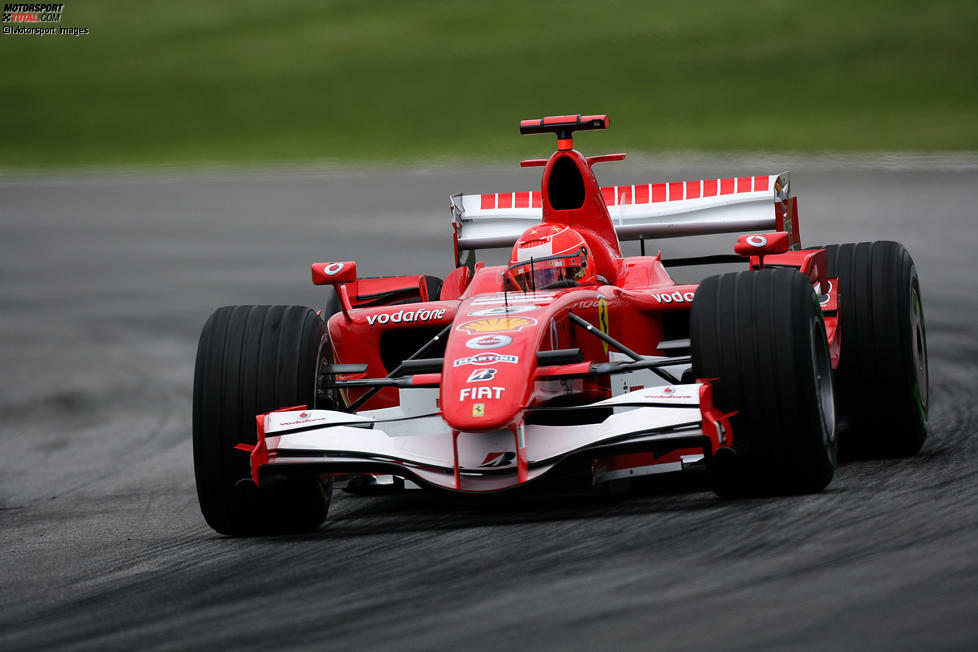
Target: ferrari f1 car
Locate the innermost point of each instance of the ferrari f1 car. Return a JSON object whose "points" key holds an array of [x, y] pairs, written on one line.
{"points": [[570, 356]]}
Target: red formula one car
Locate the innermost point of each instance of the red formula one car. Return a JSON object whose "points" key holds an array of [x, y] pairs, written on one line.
{"points": [[572, 356]]}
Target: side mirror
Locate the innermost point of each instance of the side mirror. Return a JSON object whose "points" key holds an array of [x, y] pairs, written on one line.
{"points": [[763, 244], [334, 273]]}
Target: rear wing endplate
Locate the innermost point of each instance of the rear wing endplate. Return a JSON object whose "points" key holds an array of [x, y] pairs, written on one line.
{"points": [[655, 210]]}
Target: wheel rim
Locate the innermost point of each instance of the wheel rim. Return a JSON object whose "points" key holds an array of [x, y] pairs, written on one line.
{"points": [[824, 391], [919, 344]]}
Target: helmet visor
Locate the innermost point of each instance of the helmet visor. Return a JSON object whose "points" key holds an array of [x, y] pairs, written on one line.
{"points": [[539, 274]]}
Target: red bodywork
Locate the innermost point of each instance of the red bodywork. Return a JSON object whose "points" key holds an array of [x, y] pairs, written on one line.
{"points": [[639, 305]]}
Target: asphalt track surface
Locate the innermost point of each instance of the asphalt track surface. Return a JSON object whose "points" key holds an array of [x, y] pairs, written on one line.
{"points": [[106, 281]]}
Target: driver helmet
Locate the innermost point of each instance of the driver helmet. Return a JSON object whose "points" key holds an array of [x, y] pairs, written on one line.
{"points": [[548, 254]]}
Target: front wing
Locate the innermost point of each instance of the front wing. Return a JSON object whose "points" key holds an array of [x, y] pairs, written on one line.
{"points": [[424, 449]]}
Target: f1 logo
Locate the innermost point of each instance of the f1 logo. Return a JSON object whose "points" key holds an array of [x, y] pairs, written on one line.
{"points": [[481, 374]]}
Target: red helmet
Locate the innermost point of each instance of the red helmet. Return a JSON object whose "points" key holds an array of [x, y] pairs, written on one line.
{"points": [[549, 256]]}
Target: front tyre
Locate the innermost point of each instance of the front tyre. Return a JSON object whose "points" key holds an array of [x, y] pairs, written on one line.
{"points": [[761, 336], [882, 374], [250, 360]]}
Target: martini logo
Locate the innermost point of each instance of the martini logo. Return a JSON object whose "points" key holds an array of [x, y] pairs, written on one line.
{"points": [[504, 458], [496, 324], [486, 358], [489, 342], [480, 375], [502, 310]]}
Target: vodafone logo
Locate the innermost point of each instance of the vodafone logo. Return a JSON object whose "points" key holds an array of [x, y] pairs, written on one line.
{"points": [[406, 316], [756, 240], [304, 419], [332, 269], [668, 393], [588, 304], [489, 342], [673, 297]]}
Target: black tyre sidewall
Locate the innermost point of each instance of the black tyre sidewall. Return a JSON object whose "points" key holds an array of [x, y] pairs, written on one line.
{"points": [[752, 332], [879, 392], [250, 360]]}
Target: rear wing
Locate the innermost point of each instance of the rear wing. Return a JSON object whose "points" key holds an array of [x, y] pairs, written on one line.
{"points": [[656, 210]]}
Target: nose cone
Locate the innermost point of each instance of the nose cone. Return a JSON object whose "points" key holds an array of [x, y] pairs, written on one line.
{"points": [[490, 360]]}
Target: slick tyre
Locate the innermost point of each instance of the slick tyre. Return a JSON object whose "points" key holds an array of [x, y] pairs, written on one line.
{"points": [[253, 359], [761, 336], [882, 374]]}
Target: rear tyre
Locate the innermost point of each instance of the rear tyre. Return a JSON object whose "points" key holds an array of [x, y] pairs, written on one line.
{"points": [[882, 374], [250, 360], [761, 335]]}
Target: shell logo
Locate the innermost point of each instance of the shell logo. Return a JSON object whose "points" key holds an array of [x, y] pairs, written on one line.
{"points": [[497, 324]]}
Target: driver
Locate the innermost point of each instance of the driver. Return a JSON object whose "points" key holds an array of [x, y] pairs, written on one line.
{"points": [[551, 256]]}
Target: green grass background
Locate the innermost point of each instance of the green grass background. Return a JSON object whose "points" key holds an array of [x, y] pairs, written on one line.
{"points": [[180, 81]]}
